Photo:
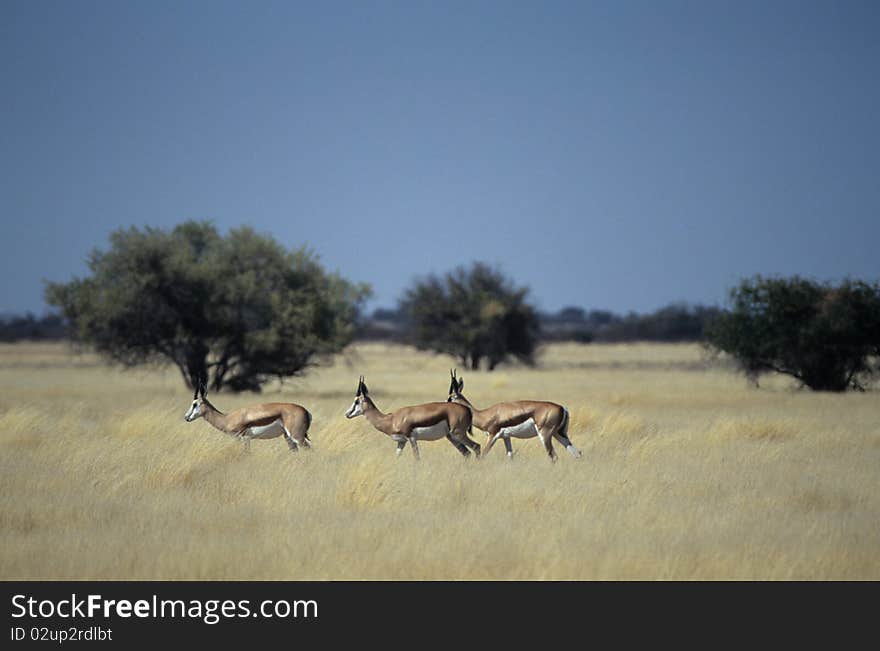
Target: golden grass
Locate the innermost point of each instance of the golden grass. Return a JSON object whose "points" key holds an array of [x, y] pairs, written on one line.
{"points": [[688, 473]]}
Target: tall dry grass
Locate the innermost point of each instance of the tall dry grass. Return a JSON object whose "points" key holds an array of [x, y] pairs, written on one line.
{"points": [[688, 473]]}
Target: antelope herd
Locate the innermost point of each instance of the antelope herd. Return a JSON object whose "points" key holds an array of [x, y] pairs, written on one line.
{"points": [[452, 420]]}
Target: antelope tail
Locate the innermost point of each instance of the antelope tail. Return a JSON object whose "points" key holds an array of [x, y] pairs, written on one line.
{"points": [[563, 429]]}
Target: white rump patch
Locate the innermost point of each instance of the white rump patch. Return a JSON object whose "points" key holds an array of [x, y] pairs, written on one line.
{"points": [[432, 433], [525, 430]]}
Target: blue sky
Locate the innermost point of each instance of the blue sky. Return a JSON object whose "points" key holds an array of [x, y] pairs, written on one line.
{"points": [[617, 155]]}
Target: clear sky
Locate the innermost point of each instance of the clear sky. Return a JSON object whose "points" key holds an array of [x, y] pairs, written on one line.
{"points": [[618, 155]]}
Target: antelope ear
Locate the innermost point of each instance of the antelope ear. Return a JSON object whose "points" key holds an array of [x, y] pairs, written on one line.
{"points": [[360, 386], [364, 385], [460, 384]]}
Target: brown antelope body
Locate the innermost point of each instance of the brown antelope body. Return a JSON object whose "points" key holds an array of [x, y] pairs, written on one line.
{"points": [[518, 419], [264, 421], [428, 422]]}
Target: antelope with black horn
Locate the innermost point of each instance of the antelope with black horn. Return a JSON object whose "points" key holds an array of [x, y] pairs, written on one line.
{"points": [[520, 419], [428, 422], [264, 421]]}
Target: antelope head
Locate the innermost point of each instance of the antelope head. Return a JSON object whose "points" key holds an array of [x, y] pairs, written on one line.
{"points": [[360, 400], [455, 388], [196, 409]]}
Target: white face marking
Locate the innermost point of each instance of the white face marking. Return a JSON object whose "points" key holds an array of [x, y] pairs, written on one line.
{"points": [[355, 409], [524, 430], [195, 411], [432, 433]]}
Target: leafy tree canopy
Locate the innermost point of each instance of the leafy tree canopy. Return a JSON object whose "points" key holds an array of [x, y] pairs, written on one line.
{"points": [[826, 336], [235, 309], [473, 313]]}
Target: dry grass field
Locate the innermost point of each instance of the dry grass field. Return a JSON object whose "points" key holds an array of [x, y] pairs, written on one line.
{"points": [[687, 473]]}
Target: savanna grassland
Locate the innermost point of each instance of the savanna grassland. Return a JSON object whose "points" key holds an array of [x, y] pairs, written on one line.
{"points": [[688, 473]]}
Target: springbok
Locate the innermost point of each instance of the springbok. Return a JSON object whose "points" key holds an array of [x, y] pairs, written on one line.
{"points": [[520, 419], [428, 422], [265, 421]]}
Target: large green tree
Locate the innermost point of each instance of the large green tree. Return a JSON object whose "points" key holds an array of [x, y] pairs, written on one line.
{"points": [[827, 336], [234, 310], [472, 313]]}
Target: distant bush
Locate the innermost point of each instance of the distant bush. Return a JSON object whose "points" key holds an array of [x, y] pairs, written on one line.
{"points": [[472, 313], [382, 325], [672, 323], [826, 336], [677, 322], [29, 327]]}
